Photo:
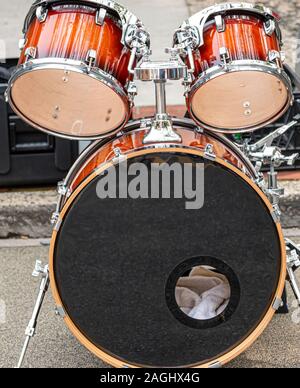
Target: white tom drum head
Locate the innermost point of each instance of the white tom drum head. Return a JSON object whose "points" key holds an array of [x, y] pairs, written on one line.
{"points": [[240, 101], [69, 103]]}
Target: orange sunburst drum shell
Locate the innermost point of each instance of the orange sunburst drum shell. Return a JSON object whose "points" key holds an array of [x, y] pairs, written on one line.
{"points": [[254, 92], [64, 99], [133, 140]]}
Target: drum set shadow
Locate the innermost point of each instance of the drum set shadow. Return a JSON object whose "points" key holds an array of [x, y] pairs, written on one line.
{"points": [[117, 264]]}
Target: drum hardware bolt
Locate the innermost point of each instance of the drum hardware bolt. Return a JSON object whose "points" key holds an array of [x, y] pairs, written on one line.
{"points": [[55, 116], [248, 112], [41, 14], [30, 53], [199, 130], [117, 152], [132, 91], [225, 57], [60, 312], [54, 218], [220, 23], [270, 27], [209, 152], [275, 57], [91, 59], [57, 225], [247, 104], [100, 16], [65, 79], [119, 156], [277, 304], [57, 108], [63, 190], [66, 72]]}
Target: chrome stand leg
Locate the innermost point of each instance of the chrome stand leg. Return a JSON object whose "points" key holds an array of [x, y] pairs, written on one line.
{"points": [[293, 263], [31, 328]]}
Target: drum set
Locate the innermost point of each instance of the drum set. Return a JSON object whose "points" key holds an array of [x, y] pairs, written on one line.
{"points": [[114, 263]]}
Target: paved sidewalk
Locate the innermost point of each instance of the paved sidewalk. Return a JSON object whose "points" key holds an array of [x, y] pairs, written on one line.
{"points": [[55, 347]]}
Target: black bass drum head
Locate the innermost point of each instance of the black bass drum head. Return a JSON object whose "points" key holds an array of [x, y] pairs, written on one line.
{"points": [[117, 262]]}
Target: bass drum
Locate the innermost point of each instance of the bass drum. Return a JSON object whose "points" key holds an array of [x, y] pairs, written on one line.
{"points": [[116, 263]]}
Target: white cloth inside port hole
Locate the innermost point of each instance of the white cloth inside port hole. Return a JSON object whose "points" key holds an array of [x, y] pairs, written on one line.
{"points": [[203, 294]]}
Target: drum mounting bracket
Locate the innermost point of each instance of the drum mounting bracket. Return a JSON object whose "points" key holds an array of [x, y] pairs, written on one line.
{"points": [[100, 16], [41, 13], [161, 127], [209, 152], [270, 27], [220, 23]]}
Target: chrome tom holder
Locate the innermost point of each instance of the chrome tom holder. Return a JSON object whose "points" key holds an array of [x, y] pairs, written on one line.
{"points": [[161, 127]]}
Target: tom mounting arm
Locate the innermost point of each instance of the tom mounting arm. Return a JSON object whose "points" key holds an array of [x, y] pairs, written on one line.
{"points": [[262, 153], [161, 127]]}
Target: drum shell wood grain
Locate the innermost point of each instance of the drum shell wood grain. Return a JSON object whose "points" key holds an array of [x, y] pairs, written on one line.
{"points": [[134, 140], [70, 33], [244, 37], [218, 91]]}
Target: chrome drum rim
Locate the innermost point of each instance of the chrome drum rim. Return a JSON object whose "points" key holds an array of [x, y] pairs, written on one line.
{"points": [[240, 66], [75, 67]]}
